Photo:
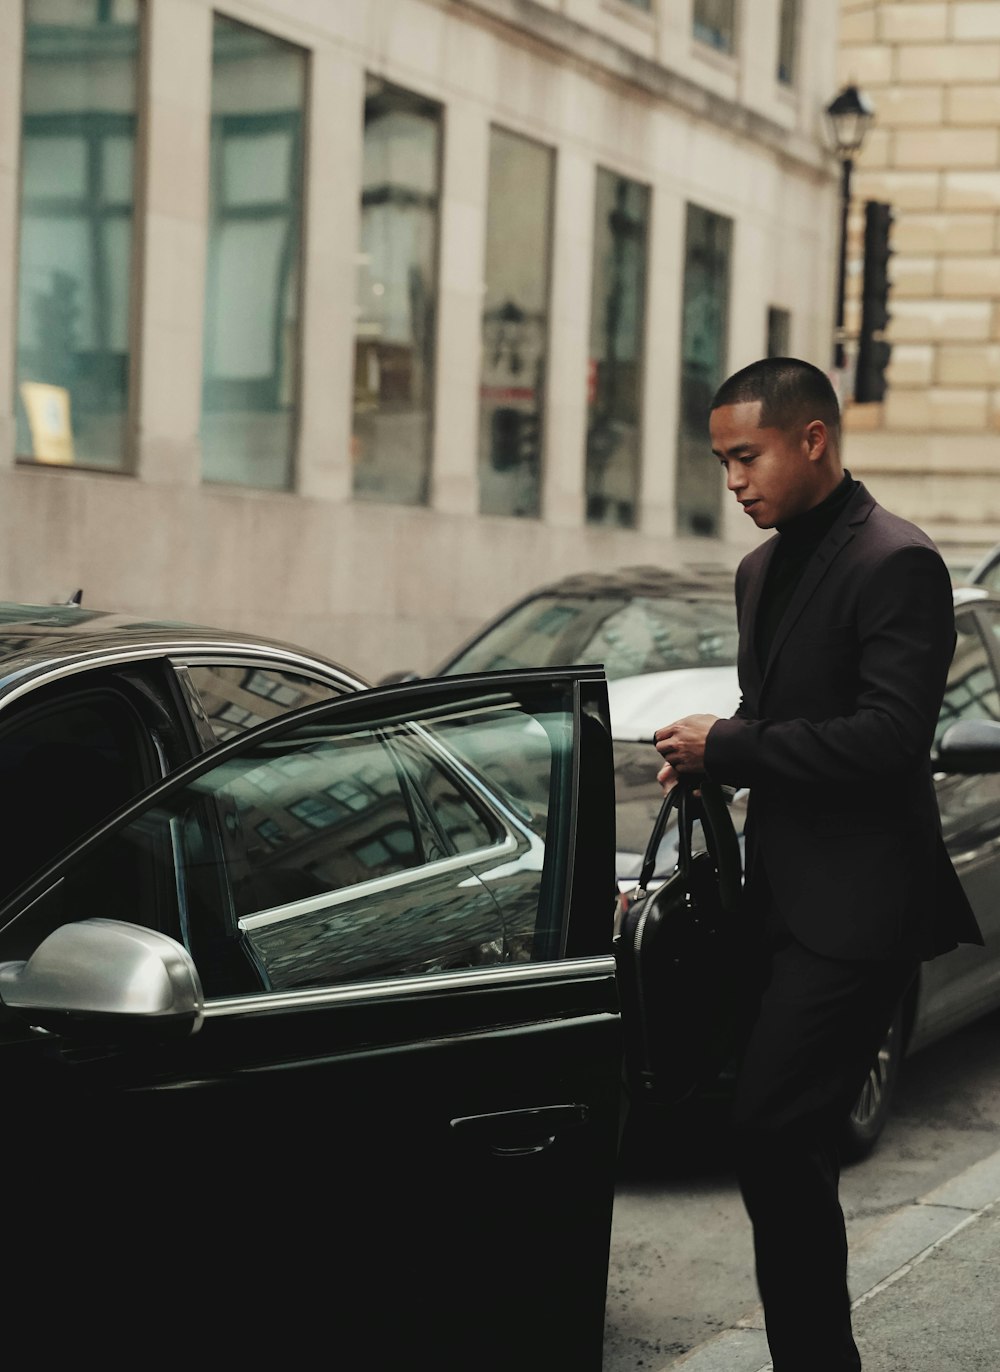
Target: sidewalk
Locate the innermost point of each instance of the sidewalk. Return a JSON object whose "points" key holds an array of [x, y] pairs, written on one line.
{"points": [[925, 1282]]}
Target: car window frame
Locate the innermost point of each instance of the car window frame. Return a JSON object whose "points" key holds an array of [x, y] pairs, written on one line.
{"points": [[576, 832]]}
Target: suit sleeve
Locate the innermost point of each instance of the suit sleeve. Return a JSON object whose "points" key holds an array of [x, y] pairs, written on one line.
{"points": [[905, 640]]}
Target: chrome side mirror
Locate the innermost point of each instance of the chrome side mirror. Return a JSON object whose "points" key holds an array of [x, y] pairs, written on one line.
{"points": [[107, 975], [969, 746]]}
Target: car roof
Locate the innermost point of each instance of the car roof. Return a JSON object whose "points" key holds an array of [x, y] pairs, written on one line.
{"points": [[648, 579], [38, 639]]}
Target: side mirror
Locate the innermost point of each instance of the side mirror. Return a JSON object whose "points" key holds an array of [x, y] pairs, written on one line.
{"points": [[969, 746], [107, 976]]}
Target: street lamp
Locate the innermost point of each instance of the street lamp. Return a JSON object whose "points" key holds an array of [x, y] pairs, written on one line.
{"points": [[848, 116]]}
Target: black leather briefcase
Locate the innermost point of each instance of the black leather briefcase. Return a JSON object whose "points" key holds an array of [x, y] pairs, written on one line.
{"points": [[681, 950]]}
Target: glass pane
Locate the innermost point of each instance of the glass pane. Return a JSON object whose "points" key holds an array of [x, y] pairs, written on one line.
{"points": [[515, 325], [70, 765], [629, 637], [614, 382], [249, 396], [714, 23], [703, 354], [319, 848], [235, 698], [78, 142], [779, 332], [396, 296], [788, 42]]}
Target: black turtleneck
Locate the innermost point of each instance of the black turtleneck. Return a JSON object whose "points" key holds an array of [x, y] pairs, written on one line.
{"points": [[799, 539]]}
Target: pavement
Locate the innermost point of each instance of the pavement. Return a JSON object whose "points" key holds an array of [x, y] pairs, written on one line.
{"points": [[926, 1286]]}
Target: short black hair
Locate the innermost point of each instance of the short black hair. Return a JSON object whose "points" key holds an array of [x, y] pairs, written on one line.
{"points": [[790, 391]]}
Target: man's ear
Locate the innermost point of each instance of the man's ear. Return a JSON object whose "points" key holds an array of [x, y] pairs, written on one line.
{"points": [[814, 440]]}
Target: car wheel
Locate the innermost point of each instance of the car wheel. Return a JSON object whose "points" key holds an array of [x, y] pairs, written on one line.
{"points": [[866, 1121]]}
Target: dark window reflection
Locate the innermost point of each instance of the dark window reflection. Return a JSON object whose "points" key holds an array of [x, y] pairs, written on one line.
{"points": [[614, 380], [715, 23], [75, 252], [779, 332], [704, 328], [313, 842], [788, 42], [250, 391], [515, 325], [396, 296], [234, 697]]}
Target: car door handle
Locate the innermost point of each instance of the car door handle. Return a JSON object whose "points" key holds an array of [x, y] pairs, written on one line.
{"points": [[515, 1133]]}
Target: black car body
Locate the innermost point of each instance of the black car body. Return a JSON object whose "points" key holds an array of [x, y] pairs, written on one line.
{"points": [[313, 1048]]}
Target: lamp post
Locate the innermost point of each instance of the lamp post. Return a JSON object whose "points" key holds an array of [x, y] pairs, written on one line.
{"points": [[848, 116]]}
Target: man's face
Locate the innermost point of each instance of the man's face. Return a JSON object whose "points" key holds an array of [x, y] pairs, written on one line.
{"points": [[770, 471]]}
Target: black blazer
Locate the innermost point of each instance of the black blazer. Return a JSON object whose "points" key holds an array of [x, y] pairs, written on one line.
{"points": [[833, 737]]}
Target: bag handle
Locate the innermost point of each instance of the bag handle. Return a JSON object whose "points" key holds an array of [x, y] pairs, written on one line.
{"points": [[720, 836]]}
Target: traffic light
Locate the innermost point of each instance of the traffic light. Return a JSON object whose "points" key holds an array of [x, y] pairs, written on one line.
{"points": [[873, 351]]}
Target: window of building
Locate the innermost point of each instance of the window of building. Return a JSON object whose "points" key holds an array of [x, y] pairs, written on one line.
{"points": [[704, 329], [396, 296], [515, 324], [646, 5], [614, 382], [779, 332], [250, 385], [75, 276], [715, 23], [788, 42]]}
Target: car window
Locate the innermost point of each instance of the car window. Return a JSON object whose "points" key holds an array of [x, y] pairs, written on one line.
{"points": [[65, 764], [630, 637], [327, 852], [236, 697], [971, 692]]}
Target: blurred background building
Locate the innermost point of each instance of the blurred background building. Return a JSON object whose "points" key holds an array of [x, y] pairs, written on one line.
{"points": [[931, 447], [349, 320]]}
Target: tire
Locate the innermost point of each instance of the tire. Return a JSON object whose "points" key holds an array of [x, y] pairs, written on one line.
{"points": [[864, 1125]]}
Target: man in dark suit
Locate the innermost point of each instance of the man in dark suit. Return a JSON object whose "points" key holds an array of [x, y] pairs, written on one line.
{"points": [[847, 631]]}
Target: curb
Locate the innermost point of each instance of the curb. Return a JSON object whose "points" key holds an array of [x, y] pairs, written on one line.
{"points": [[880, 1258]]}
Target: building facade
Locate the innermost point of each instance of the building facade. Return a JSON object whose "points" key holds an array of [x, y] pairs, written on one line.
{"points": [[350, 320], [932, 72]]}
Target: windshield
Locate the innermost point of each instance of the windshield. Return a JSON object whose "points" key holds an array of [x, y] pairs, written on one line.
{"points": [[629, 637]]}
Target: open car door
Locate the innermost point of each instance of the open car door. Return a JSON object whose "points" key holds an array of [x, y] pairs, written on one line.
{"points": [[314, 1051]]}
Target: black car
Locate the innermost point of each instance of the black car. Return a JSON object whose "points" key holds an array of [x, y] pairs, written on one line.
{"points": [[667, 641], [312, 1048]]}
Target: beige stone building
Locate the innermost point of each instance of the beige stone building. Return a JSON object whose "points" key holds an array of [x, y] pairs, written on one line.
{"points": [[350, 320], [932, 71]]}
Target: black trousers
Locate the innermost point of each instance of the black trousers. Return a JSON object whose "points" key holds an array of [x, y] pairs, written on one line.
{"points": [[818, 1025]]}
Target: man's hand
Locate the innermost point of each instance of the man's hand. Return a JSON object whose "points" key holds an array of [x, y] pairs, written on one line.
{"points": [[682, 746]]}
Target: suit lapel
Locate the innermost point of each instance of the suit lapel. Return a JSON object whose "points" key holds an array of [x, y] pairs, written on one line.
{"points": [[855, 512], [751, 668]]}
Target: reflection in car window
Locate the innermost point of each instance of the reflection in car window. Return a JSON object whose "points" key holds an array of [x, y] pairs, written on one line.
{"points": [[629, 636], [328, 853], [971, 692], [235, 697]]}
